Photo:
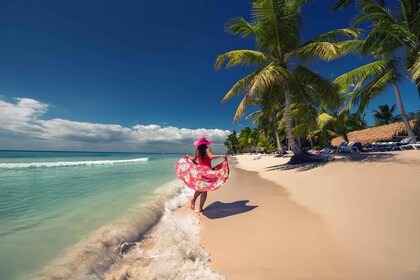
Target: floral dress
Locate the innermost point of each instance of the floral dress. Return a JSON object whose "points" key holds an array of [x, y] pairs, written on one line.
{"points": [[201, 177]]}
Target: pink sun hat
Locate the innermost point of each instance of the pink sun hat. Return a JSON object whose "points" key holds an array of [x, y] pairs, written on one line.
{"points": [[202, 140]]}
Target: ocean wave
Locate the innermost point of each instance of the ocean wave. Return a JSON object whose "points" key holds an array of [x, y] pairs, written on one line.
{"points": [[156, 243], [69, 163]]}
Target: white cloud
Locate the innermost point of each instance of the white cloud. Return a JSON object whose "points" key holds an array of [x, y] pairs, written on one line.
{"points": [[23, 119], [22, 116]]}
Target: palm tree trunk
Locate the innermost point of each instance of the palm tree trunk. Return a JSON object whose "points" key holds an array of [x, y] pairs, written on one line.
{"points": [[299, 141], [276, 134], [345, 137], [295, 148], [326, 137], [403, 114], [310, 138]]}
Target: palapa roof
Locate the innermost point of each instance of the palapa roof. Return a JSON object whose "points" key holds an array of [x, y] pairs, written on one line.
{"points": [[384, 133]]}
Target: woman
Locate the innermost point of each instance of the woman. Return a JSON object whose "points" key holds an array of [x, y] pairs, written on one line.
{"points": [[204, 155]]}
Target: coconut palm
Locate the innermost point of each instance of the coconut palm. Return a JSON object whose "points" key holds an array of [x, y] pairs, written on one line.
{"points": [[247, 139], [275, 27], [394, 47], [267, 117], [384, 115], [231, 143], [339, 124], [243, 138], [392, 32]]}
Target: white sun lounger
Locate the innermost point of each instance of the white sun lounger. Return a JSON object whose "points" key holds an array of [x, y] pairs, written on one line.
{"points": [[257, 157], [413, 146]]}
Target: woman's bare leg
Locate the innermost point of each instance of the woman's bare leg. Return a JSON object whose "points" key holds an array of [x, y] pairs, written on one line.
{"points": [[202, 200], [196, 194]]}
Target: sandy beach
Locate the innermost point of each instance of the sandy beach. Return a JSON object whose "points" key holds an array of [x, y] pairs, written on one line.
{"points": [[352, 218]]}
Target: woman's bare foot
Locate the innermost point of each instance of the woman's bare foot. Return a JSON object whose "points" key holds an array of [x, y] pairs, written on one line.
{"points": [[192, 204]]}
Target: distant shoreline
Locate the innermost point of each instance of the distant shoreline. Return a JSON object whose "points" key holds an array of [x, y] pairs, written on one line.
{"points": [[51, 151]]}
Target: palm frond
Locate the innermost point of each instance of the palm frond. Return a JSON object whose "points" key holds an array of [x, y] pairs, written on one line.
{"points": [[340, 5], [324, 50], [241, 86], [415, 69], [363, 97], [254, 115], [323, 88], [240, 26], [329, 45], [372, 11], [337, 34], [243, 105], [241, 57], [385, 39], [352, 47], [278, 23], [364, 72], [323, 119], [255, 84]]}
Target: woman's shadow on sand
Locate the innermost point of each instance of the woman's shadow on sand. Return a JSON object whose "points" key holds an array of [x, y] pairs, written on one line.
{"points": [[219, 209]]}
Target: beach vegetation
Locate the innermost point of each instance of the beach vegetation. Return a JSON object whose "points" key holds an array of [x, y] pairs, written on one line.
{"points": [[393, 45], [384, 114], [232, 143], [299, 107], [279, 60]]}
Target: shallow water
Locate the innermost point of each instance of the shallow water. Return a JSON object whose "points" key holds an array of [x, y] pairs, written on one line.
{"points": [[57, 205]]}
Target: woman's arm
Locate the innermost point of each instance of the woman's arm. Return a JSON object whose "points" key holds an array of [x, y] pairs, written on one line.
{"points": [[192, 158], [211, 156]]}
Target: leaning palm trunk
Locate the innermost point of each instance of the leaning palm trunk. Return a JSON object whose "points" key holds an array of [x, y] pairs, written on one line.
{"points": [[310, 138], [403, 114], [326, 137], [295, 148], [276, 133]]}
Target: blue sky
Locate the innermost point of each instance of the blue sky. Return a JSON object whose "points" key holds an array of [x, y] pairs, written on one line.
{"points": [[130, 64]]}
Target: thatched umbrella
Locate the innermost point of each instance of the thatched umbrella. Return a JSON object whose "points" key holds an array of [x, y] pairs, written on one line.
{"points": [[384, 133]]}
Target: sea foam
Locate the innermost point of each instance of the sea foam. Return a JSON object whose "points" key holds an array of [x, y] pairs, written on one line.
{"points": [[69, 163], [158, 243]]}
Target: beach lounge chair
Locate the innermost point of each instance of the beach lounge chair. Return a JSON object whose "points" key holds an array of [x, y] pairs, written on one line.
{"points": [[328, 150], [257, 157], [406, 144], [352, 147], [341, 147], [413, 146], [288, 153], [357, 147], [392, 146]]}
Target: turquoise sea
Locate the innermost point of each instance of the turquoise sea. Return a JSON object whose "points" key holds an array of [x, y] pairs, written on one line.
{"points": [[61, 208]]}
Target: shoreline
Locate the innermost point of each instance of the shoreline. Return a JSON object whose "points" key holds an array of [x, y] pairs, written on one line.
{"points": [[347, 219]]}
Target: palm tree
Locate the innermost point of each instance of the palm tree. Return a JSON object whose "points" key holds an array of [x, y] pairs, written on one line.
{"points": [[271, 105], [339, 124], [392, 32], [384, 115], [275, 27], [244, 139], [232, 143], [393, 46]]}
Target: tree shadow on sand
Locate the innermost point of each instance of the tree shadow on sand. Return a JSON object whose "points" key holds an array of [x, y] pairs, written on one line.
{"points": [[350, 157], [298, 167], [219, 209]]}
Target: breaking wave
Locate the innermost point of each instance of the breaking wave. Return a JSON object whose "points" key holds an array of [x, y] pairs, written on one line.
{"points": [[69, 163], [157, 242]]}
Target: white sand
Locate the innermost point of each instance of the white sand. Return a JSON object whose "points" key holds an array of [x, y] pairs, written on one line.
{"points": [[343, 220]]}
